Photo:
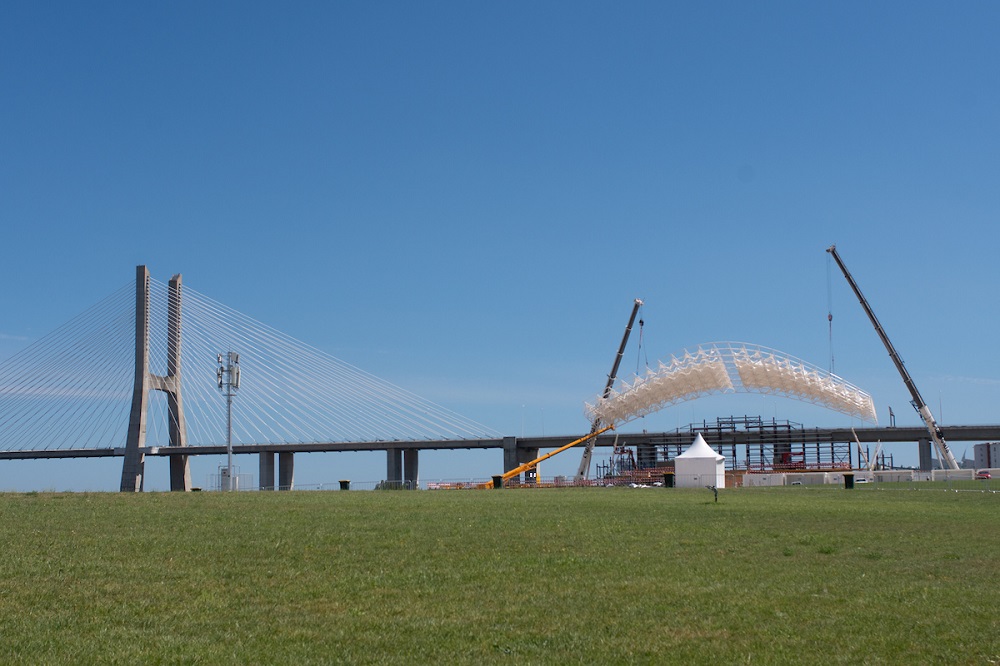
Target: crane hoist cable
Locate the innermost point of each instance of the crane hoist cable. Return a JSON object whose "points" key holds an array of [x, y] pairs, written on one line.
{"points": [[829, 306], [640, 353]]}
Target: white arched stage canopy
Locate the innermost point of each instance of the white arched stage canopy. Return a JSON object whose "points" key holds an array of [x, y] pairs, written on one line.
{"points": [[730, 367]]}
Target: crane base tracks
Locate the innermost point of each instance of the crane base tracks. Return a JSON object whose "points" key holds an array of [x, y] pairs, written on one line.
{"points": [[730, 367]]}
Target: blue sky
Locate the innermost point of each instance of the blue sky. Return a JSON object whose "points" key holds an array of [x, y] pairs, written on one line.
{"points": [[465, 198]]}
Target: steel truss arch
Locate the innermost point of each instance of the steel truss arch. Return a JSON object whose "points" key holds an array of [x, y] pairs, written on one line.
{"points": [[729, 367]]}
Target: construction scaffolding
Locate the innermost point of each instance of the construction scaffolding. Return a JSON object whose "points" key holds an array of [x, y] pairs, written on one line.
{"points": [[784, 446]]}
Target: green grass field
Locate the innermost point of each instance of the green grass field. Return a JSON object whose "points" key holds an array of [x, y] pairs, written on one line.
{"points": [[804, 575]]}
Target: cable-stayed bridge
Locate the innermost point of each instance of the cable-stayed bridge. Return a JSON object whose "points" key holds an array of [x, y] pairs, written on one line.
{"points": [[138, 374], [87, 390]]}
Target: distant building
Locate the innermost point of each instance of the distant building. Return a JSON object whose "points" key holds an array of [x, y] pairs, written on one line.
{"points": [[987, 455]]}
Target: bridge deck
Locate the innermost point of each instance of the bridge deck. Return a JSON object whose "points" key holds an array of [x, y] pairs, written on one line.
{"points": [[957, 433]]}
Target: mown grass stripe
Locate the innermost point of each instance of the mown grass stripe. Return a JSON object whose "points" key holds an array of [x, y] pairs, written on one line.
{"points": [[549, 576]]}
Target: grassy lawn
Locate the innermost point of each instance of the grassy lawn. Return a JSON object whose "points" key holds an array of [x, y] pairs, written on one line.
{"points": [[803, 575]]}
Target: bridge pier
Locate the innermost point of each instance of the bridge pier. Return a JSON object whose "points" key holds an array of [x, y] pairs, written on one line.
{"points": [[286, 470], [410, 468], [266, 470], [924, 451], [180, 473], [394, 465], [402, 467], [509, 453], [527, 455], [515, 457]]}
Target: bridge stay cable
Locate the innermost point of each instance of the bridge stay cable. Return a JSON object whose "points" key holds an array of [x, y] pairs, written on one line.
{"points": [[70, 389]]}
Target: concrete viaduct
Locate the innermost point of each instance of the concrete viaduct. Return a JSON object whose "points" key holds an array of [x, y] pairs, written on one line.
{"points": [[402, 458]]}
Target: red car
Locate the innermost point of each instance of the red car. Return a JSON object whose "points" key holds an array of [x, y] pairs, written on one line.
{"points": [[983, 474]]}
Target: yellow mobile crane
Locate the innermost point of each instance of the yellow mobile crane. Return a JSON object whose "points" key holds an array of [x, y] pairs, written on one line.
{"points": [[945, 456], [596, 428], [531, 464]]}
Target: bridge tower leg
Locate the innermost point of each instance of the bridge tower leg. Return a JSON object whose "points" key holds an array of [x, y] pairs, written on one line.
{"points": [[136, 439], [135, 459], [180, 470]]}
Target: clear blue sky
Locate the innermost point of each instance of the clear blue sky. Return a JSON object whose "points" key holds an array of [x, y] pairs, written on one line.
{"points": [[465, 198]]}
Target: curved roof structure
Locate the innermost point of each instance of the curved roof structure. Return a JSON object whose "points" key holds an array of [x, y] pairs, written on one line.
{"points": [[730, 367]]}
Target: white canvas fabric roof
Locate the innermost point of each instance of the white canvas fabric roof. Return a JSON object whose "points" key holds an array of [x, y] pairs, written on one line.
{"points": [[700, 466], [700, 449]]}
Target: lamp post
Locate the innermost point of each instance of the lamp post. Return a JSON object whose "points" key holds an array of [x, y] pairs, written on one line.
{"points": [[228, 375]]}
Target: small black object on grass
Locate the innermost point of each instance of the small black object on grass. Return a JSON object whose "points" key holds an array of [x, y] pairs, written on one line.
{"points": [[714, 490]]}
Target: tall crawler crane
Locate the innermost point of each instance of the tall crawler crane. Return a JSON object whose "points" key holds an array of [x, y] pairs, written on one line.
{"points": [[588, 451], [945, 456]]}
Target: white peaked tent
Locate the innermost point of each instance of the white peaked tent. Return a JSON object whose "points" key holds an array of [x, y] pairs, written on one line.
{"points": [[700, 466]]}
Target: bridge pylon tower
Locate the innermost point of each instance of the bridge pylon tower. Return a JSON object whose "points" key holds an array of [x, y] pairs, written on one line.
{"points": [[133, 467]]}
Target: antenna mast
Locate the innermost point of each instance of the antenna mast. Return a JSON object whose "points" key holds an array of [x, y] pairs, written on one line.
{"points": [[228, 375]]}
